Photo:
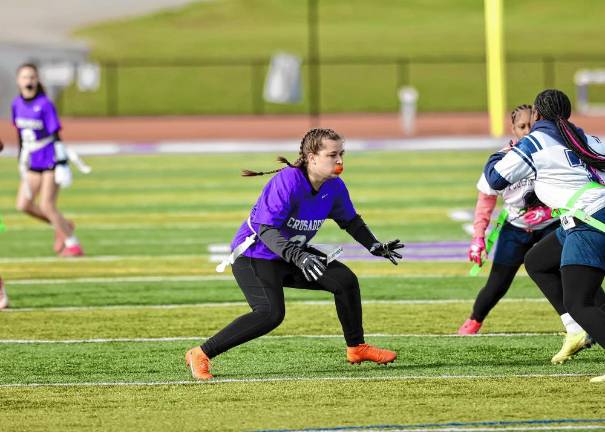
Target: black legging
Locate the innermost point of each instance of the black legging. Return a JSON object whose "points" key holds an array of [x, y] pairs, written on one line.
{"points": [[262, 282], [498, 282], [513, 244], [572, 289]]}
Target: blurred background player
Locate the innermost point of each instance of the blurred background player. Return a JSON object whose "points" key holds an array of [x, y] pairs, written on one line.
{"points": [[527, 222], [43, 161], [567, 166], [3, 295], [270, 251]]}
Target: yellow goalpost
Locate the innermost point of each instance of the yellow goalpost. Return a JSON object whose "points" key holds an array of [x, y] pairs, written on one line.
{"points": [[496, 87]]}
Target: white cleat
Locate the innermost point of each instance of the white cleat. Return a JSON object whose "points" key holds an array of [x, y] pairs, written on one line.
{"points": [[573, 344], [599, 379]]}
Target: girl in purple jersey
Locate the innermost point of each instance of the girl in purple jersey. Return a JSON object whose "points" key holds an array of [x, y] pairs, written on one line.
{"points": [[271, 251], [42, 159]]}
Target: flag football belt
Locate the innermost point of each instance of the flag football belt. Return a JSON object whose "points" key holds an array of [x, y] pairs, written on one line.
{"points": [[569, 212], [331, 253], [491, 239], [238, 250], [32, 146]]}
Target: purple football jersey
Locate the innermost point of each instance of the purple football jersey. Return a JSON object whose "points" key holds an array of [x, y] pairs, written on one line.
{"points": [[36, 120], [289, 203]]}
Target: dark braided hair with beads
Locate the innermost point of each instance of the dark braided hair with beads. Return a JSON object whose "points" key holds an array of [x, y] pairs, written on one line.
{"points": [[554, 105], [312, 142]]}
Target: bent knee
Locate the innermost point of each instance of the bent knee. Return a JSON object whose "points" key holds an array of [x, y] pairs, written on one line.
{"points": [[575, 306], [48, 209], [23, 205], [532, 262], [349, 280], [271, 317]]}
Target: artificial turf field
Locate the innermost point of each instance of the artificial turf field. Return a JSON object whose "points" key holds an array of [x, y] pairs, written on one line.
{"points": [[98, 343]]}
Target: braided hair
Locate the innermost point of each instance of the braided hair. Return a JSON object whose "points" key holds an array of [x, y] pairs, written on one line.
{"points": [[517, 110], [311, 143], [554, 105]]}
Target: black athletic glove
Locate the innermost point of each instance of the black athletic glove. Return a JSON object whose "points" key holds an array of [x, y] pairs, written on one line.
{"points": [[387, 250], [313, 266]]}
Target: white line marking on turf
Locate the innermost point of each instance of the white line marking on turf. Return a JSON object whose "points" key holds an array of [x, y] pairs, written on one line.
{"points": [[113, 280], [293, 379], [98, 258], [202, 278], [453, 429], [242, 304], [199, 338]]}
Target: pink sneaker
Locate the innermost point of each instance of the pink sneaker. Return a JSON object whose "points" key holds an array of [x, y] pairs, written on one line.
{"points": [[3, 296], [470, 327], [60, 238], [72, 251]]}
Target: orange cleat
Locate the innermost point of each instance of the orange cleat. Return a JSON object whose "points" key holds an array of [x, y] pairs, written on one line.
{"points": [[3, 296], [60, 237], [199, 363], [365, 352], [72, 251]]}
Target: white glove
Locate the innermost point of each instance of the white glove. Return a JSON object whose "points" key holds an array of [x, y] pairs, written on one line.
{"points": [[63, 175]]}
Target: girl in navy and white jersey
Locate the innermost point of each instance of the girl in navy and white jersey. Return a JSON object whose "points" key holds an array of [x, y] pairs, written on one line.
{"points": [[271, 250], [528, 221], [566, 165], [43, 159]]}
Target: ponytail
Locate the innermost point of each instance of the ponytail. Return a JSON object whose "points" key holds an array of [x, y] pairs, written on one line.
{"points": [[248, 173], [576, 142], [312, 142]]}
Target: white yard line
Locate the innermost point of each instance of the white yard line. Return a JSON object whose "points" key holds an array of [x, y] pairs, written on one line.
{"points": [[98, 258], [460, 429], [289, 379], [146, 226], [199, 278], [116, 280], [198, 338], [240, 303]]}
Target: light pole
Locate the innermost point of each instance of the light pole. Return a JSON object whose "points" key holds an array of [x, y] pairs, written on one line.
{"points": [[313, 56]]}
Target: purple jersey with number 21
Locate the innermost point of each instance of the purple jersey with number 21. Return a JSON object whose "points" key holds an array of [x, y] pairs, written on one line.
{"points": [[37, 120], [289, 203]]}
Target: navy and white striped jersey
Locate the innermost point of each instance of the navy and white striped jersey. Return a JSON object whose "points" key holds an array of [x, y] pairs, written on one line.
{"points": [[557, 171], [518, 198]]}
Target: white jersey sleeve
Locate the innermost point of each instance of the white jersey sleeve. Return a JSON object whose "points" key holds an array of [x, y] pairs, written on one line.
{"points": [[483, 186]]}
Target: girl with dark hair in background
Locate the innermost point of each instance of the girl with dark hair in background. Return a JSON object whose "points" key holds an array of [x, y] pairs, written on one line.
{"points": [[271, 251], [566, 164], [43, 159], [527, 221]]}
